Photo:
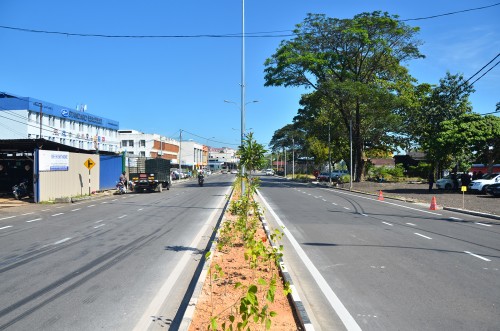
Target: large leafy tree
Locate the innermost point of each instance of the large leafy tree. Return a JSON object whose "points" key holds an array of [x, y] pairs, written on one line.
{"points": [[354, 64], [471, 137]]}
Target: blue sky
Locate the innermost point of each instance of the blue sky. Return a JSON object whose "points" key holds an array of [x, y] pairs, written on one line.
{"points": [[162, 85]]}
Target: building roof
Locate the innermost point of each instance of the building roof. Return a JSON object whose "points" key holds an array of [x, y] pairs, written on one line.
{"points": [[29, 145]]}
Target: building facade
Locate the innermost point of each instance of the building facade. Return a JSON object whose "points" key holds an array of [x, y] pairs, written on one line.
{"points": [[219, 158], [29, 118], [138, 144], [194, 155]]}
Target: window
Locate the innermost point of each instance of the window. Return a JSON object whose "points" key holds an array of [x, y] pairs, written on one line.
{"points": [[142, 153], [131, 143], [124, 143], [142, 143]]}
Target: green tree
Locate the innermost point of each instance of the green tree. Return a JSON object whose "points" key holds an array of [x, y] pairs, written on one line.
{"points": [[354, 64], [471, 137], [252, 154]]}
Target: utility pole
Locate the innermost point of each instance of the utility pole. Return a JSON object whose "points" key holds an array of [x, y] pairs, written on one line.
{"points": [[242, 91], [284, 151], [180, 148], [350, 139], [293, 158], [329, 158]]}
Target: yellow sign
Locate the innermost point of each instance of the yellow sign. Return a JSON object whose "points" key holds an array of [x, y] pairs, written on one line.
{"points": [[464, 188], [89, 163]]}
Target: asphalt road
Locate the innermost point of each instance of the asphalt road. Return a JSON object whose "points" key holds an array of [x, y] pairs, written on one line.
{"points": [[105, 264], [392, 265]]}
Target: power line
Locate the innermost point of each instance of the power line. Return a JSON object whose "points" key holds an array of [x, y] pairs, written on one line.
{"points": [[477, 72], [265, 34], [485, 73]]}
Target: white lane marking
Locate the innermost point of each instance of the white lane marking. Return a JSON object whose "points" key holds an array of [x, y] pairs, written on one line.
{"points": [[104, 202], [28, 213], [388, 223], [364, 214], [61, 241], [333, 203], [99, 221], [482, 224], [90, 206], [154, 307], [337, 305], [346, 208], [98, 226], [140, 209], [309, 194], [478, 256], [421, 235], [6, 227], [76, 209], [323, 200], [59, 207], [387, 202], [114, 200], [45, 209], [58, 214], [36, 219], [456, 218], [122, 216], [411, 224], [6, 218]]}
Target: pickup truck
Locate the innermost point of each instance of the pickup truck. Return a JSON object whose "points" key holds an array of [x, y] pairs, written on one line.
{"points": [[152, 175], [482, 184]]}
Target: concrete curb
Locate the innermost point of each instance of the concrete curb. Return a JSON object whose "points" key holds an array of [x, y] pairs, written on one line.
{"points": [[294, 297], [471, 212]]}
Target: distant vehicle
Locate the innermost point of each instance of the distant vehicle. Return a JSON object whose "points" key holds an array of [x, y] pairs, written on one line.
{"points": [[494, 190], [269, 172], [323, 177], [446, 183], [482, 184], [234, 171], [224, 170], [153, 175]]}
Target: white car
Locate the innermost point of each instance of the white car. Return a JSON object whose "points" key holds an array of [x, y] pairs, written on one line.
{"points": [[446, 183], [482, 184], [234, 171], [269, 172]]}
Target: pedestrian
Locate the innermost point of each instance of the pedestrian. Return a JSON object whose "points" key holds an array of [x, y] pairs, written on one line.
{"points": [[431, 180]]}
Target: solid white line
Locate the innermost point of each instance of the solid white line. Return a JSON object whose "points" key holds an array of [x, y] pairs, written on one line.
{"points": [[6, 227], [98, 226], [61, 241], [162, 294], [478, 256], [411, 224], [482, 224], [337, 305], [28, 213], [388, 223], [36, 219], [6, 218], [76, 209], [421, 235], [58, 214], [122, 216]]}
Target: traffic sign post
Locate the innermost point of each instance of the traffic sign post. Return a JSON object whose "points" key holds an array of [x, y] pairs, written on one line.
{"points": [[464, 189], [89, 163]]}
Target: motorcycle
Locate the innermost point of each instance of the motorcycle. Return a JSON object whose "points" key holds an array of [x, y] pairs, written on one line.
{"points": [[21, 190], [200, 180], [121, 188]]}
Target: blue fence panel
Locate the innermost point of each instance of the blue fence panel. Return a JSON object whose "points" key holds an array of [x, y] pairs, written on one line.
{"points": [[111, 168]]}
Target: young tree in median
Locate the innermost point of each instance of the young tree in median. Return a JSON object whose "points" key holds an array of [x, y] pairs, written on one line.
{"points": [[353, 63]]}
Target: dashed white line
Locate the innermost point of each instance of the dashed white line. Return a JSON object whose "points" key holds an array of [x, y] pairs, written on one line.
{"points": [[421, 235], [456, 218], [364, 214], [58, 214], [388, 223], [90, 206], [62, 241], [482, 224], [99, 221], [104, 202], [346, 208], [323, 200], [333, 203], [76, 209], [98, 226], [122, 216], [478, 256], [6, 227], [45, 209], [36, 219], [6, 218], [114, 200], [411, 224], [140, 209], [28, 213]]}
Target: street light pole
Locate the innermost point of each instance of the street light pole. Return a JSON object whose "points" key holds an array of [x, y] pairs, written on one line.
{"points": [[242, 89], [329, 158]]}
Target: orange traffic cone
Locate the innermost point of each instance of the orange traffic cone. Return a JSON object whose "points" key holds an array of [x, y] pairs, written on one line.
{"points": [[433, 204], [380, 196]]}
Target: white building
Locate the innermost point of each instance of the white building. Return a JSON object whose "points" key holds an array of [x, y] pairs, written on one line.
{"points": [[29, 118], [218, 157], [136, 143], [194, 155]]}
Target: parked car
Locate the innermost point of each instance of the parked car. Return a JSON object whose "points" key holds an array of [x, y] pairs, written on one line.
{"points": [[446, 183], [234, 171], [335, 175], [480, 185], [269, 172], [494, 190]]}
